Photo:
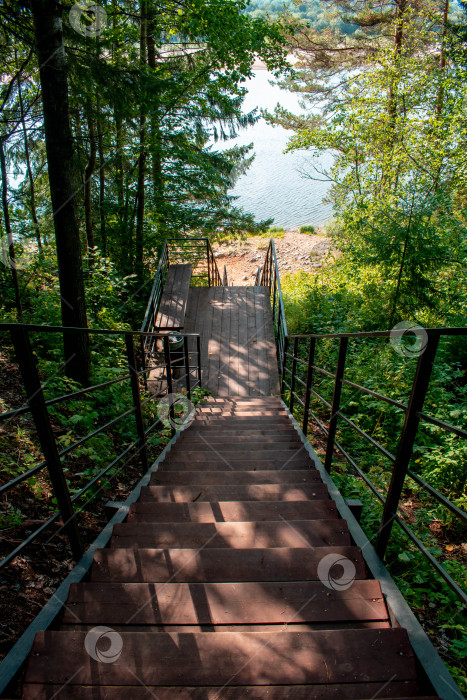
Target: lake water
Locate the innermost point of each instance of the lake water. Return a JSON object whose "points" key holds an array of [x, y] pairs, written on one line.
{"points": [[275, 185]]}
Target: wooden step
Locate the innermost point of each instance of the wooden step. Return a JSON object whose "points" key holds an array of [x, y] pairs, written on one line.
{"points": [[231, 492], [261, 476], [217, 565], [238, 535], [219, 434], [228, 446], [218, 658], [174, 462], [222, 603], [231, 511], [394, 690], [226, 455]]}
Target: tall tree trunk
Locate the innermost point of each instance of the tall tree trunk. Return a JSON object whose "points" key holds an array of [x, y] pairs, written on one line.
{"points": [[10, 258], [401, 268], [88, 173], [29, 170], [140, 194], [100, 147], [59, 146], [156, 135], [442, 60]]}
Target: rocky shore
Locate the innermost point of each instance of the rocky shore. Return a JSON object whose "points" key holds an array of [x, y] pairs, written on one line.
{"points": [[295, 251]]}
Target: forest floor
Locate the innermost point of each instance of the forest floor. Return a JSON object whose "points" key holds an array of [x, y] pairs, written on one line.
{"points": [[295, 251]]}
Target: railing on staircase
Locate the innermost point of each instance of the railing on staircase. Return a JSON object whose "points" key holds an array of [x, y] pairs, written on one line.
{"points": [[38, 407], [270, 278], [199, 253], [301, 390]]}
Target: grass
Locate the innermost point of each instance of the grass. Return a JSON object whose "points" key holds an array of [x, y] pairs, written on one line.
{"points": [[308, 229]]}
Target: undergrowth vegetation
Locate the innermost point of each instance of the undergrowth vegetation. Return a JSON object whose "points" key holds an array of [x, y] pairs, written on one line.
{"points": [[344, 298]]}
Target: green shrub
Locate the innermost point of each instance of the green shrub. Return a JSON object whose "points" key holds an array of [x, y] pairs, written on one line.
{"points": [[275, 232], [307, 229]]}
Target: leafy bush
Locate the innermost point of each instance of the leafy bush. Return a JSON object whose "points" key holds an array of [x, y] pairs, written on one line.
{"points": [[307, 229]]}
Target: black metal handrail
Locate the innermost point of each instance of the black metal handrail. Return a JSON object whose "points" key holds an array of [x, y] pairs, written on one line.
{"points": [[38, 407], [305, 346], [269, 277], [199, 253], [302, 355]]}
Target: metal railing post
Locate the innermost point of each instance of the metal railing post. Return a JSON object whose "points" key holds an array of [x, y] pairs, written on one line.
{"points": [[294, 371], [168, 371], [309, 381], [130, 353], [142, 341], [209, 262], [283, 360], [336, 401], [187, 366], [36, 402], [198, 351], [406, 442]]}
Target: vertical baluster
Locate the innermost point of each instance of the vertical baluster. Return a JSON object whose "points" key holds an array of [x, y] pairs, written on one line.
{"points": [[168, 371], [209, 263], [198, 350], [294, 372], [142, 448], [406, 442], [336, 401], [309, 382], [36, 402], [187, 366], [282, 359], [142, 343]]}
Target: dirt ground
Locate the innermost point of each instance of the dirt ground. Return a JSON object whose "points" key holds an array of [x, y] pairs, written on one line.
{"points": [[295, 251]]}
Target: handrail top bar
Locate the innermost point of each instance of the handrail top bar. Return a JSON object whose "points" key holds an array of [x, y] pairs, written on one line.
{"points": [[443, 330], [93, 331], [188, 239]]}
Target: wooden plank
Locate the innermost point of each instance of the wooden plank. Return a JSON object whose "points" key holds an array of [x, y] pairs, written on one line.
{"points": [[231, 511], [404, 690], [239, 435], [174, 297], [251, 342], [191, 445], [211, 453], [231, 492], [217, 565], [215, 658], [263, 476], [222, 603], [238, 535], [174, 463]]}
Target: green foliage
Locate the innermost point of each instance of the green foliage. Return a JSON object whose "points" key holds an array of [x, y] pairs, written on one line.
{"points": [[307, 229]]}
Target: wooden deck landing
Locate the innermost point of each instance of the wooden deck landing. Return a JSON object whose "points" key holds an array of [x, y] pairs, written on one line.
{"points": [[233, 578], [238, 355]]}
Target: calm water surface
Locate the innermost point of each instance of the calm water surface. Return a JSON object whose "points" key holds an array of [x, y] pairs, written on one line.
{"points": [[275, 186]]}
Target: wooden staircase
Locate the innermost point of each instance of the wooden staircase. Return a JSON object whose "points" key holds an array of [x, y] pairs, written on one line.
{"points": [[220, 584]]}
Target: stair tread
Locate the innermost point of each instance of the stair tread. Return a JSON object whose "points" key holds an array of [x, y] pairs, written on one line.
{"points": [[231, 511], [393, 690], [154, 565], [222, 603], [236, 658], [240, 535], [260, 476], [233, 492]]}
